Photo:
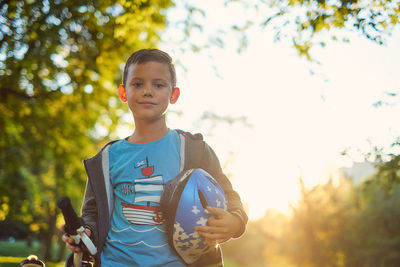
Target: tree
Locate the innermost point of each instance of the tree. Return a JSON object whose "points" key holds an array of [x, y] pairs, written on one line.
{"points": [[314, 236], [387, 175], [260, 244], [373, 240], [59, 67], [306, 21], [376, 233]]}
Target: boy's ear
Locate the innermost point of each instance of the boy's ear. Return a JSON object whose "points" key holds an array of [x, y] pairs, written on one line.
{"points": [[121, 92], [175, 95]]}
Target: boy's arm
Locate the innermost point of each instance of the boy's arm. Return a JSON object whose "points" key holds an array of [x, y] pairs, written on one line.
{"points": [[210, 163], [89, 211]]}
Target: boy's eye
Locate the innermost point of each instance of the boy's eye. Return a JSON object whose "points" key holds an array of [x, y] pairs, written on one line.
{"points": [[160, 85], [137, 84]]}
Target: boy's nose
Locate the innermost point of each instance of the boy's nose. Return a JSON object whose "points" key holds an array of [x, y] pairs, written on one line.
{"points": [[147, 90]]}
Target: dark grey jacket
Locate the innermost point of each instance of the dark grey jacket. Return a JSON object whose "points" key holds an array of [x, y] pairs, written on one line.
{"points": [[99, 200]]}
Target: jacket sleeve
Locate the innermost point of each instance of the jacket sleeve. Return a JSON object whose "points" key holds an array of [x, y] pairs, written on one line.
{"points": [[89, 211], [210, 163]]}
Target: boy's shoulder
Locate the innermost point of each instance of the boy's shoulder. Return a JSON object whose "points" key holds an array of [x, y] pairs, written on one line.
{"points": [[194, 137], [98, 155]]}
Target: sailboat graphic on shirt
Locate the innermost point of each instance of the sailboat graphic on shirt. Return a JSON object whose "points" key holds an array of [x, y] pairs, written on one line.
{"points": [[147, 191]]}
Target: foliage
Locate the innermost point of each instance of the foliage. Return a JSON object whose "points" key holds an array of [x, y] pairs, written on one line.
{"points": [[380, 211], [59, 67], [59, 70], [344, 225], [388, 174], [306, 21], [253, 248], [376, 237], [319, 219], [332, 224]]}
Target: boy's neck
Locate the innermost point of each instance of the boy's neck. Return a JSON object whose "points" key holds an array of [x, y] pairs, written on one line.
{"points": [[146, 133]]}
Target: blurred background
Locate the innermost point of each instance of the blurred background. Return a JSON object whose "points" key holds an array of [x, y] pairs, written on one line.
{"points": [[299, 98]]}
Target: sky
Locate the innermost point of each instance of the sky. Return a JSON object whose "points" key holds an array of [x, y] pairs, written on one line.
{"points": [[299, 115]]}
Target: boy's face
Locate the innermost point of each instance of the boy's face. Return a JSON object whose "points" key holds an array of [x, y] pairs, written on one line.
{"points": [[148, 90]]}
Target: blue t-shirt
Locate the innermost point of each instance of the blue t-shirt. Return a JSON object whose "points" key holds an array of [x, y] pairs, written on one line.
{"points": [[138, 172]]}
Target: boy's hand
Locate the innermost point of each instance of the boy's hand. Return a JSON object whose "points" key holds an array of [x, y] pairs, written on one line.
{"points": [[70, 243], [222, 226]]}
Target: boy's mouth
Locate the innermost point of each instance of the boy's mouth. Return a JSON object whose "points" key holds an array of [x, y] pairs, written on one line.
{"points": [[147, 103]]}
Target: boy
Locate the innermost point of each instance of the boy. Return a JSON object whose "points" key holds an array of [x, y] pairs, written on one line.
{"points": [[126, 178]]}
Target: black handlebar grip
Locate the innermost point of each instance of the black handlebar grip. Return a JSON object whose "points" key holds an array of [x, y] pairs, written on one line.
{"points": [[72, 222]]}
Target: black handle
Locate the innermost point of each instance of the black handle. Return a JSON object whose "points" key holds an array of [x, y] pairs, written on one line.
{"points": [[72, 222]]}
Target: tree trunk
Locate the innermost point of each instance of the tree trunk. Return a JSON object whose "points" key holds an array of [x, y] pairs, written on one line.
{"points": [[29, 240], [47, 239], [61, 250]]}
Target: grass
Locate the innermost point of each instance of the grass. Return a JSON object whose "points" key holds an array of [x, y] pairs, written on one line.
{"points": [[14, 261], [19, 248], [12, 253]]}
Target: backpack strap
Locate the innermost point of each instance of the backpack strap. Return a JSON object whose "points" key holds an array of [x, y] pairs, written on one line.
{"points": [[191, 151]]}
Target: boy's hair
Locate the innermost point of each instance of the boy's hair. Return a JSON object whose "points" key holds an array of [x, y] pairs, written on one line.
{"points": [[146, 55]]}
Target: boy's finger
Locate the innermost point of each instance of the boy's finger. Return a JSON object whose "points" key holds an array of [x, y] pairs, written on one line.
{"points": [[216, 211], [73, 248], [88, 232], [207, 229], [223, 240], [212, 236], [213, 210], [68, 240], [216, 221], [65, 238]]}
